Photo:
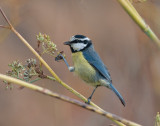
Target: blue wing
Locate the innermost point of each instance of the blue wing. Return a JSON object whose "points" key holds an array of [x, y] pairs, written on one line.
{"points": [[93, 58]]}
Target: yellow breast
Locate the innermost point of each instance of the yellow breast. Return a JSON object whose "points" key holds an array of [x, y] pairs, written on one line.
{"points": [[83, 69]]}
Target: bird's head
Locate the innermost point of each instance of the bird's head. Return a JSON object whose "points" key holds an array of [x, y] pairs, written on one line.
{"points": [[78, 43]]}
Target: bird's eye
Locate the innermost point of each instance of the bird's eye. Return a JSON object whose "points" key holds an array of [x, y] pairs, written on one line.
{"points": [[85, 41]]}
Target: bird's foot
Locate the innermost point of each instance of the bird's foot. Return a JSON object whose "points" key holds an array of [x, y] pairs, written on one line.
{"points": [[89, 100], [71, 69]]}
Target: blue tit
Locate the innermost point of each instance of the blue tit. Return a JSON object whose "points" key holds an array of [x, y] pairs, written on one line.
{"points": [[89, 66]]}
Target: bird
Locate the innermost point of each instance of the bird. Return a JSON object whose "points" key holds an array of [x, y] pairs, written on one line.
{"points": [[88, 65]]}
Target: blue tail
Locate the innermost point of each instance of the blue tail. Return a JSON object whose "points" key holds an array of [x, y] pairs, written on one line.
{"points": [[117, 93]]}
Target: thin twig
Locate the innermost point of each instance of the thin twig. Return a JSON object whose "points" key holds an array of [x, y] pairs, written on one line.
{"points": [[51, 78], [5, 17], [66, 99]]}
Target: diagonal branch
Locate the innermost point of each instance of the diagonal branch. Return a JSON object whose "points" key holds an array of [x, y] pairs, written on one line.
{"points": [[129, 8], [5, 17], [66, 99]]}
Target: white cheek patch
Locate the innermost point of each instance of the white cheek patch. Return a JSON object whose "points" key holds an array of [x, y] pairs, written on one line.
{"points": [[78, 46]]}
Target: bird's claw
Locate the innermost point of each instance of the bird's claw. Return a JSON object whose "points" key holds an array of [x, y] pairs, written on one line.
{"points": [[59, 56], [71, 69], [89, 100]]}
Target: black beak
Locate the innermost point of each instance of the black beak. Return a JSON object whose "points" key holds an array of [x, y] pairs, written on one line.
{"points": [[67, 43]]}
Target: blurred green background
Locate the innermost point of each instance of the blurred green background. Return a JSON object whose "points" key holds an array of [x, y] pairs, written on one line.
{"points": [[131, 57]]}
